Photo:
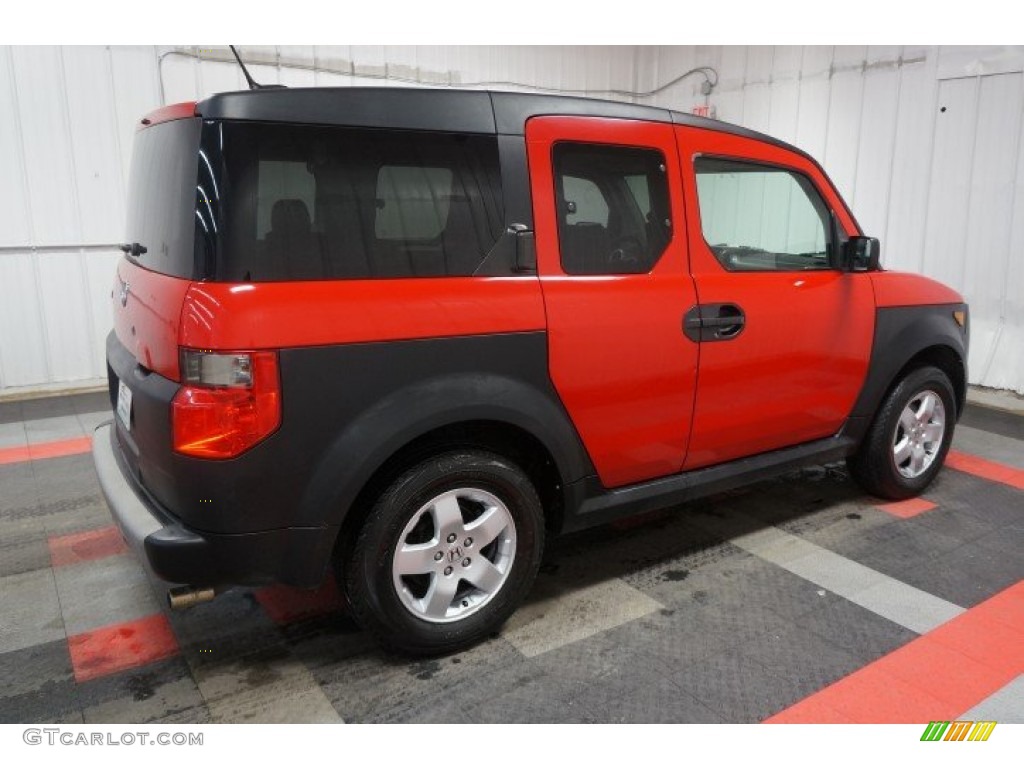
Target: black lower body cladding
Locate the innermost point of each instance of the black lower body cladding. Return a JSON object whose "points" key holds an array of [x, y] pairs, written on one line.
{"points": [[904, 333], [345, 410]]}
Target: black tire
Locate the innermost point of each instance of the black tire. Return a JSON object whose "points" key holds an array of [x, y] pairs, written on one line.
{"points": [[368, 578], [874, 466]]}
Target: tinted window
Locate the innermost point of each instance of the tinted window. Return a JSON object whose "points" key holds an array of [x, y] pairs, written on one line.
{"points": [[413, 202], [758, 217], [165, 204], [281, 181], [311, 203], [587, 204], [613, 208]]}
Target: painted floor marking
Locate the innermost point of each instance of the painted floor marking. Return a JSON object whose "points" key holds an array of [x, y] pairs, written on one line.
{"points": [[985, 469], [118, 647], [908, 508], [881, 594], [49, 450], [971, 664]]}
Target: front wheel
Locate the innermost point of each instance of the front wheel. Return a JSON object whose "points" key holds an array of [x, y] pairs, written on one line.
{"points": [[447, 553], [908, 440]]}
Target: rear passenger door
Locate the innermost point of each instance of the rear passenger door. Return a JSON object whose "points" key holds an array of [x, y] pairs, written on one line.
{"points": [[787, 334], [611, 255]]}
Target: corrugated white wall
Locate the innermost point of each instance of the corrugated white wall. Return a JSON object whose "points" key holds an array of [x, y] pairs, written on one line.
{"points": [[944, 190], [924, 142], [67, 117]]}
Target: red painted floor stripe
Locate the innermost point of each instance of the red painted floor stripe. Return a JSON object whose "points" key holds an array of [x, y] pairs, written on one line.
{"points": [[88, 545], [989, 470], [907, 508], [118, 647], [285, 605], [938, 676], [51, 450]]}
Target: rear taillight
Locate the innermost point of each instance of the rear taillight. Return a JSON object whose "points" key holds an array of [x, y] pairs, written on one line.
{"points": [[228, 402]]}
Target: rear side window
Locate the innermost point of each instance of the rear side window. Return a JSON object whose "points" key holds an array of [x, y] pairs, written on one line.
{"points": [[613, 208], [414, 202], [166, 205], [762, 218], [281, 181], [313, 203]]}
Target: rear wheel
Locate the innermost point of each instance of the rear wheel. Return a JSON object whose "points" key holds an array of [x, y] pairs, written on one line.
{"points": [[908, 440], [448, 552]]}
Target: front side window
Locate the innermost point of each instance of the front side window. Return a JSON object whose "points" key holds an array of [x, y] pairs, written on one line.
{"points": [[613, 208], [761, 218]]}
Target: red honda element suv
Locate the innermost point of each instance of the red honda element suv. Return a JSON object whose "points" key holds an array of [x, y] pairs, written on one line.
{"points": [[402, 335]]}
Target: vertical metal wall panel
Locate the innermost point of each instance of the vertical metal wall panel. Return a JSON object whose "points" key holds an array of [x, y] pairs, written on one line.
{"points": [[874, 151], [816, 61], [330, 61], [1003, 366], [847, 58], [22, 341], [758, 64], [179, 77], [787, 61], [15, 218], [93, 135], [297, 78], [784, 110], [993, 176], [885, 55], [728, 99], [42, 110], [99, 281], [812, 122], [370, 58], [985, 250], [262, 65], [68, 339], [757, 91], [945, 229], [757, 104], [135, 81], [906, 209], [216, 76], [670, 62], [843, 130]]}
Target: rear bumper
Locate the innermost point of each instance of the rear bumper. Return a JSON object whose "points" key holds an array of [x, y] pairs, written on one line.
{"points": [[180, 555]]}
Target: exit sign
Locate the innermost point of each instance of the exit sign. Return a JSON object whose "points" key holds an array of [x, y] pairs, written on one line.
{"points": [[704, 110]]}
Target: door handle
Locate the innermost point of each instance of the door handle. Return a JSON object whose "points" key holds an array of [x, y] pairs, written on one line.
{"points": [[713, 322]]}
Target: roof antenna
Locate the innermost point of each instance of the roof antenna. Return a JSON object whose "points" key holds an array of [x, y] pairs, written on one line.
{"points": [[253, 85]]}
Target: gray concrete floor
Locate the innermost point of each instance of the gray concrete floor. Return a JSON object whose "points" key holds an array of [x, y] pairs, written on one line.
{"points": [[732, 609]]}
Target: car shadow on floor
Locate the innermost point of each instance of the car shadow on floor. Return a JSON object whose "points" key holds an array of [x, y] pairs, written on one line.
{"points": [[665, 545]]}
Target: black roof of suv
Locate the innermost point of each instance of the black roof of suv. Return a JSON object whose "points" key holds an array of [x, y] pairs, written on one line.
{"points": [[436, 109]]}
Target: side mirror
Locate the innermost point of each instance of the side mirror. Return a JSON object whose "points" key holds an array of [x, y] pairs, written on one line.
{"points": [[861, 254]]}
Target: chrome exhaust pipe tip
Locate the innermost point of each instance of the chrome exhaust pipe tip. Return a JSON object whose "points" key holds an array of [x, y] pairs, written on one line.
{"points": [[180, 598]]}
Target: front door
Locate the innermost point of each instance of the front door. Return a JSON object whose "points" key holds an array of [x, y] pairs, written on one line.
{"points": [[786, 336], [612, 260]]}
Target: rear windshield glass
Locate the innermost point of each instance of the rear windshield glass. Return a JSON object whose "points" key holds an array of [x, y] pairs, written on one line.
{"points": [[312, 203], [162, 196]]}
